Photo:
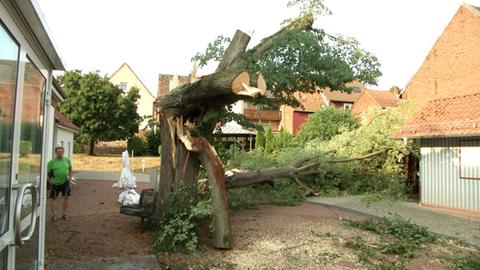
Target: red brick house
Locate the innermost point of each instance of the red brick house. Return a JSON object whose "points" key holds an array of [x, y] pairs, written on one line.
{"points": [[374, 98], [292, 119], [452, 67]]}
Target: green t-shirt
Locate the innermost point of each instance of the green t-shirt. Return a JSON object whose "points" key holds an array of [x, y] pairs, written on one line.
{"points": [[59, 170]]}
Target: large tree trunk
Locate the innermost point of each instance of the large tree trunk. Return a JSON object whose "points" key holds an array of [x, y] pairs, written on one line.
{"points": [[216, 184]]}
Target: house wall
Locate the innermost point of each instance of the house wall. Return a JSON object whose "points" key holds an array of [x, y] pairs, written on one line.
{"points": [[299, 118], [440, 165], [452, 67], [64, 137], [145, 102]]}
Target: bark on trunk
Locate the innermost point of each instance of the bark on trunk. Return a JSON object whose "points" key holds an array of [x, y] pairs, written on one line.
{"points": [[187, 166], [235, 51], [167, 165], [214, 90], [91, 151], [214, 167]]}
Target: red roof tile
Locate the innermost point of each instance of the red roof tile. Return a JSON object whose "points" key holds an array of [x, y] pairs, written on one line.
{"points": [[340, 96], [309, 102], [383, 98], [455, 116], [64, 121]]}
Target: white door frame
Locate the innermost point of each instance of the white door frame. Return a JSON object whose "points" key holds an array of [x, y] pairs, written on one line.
{"points": [[8, 239]]}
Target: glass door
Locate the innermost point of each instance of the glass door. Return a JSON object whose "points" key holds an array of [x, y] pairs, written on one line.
{"points": [[29, 166], [22, 95], [9, 55]]}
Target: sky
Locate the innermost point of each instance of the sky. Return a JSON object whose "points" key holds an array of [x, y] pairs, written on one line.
{"points": [[158, 36]]}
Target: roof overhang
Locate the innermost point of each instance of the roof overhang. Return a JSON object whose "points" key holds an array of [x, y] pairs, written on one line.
{"points": [[58, 125], [33, 17]]}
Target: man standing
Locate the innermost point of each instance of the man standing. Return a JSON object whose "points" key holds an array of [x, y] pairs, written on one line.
{"points": [[59, 176]]}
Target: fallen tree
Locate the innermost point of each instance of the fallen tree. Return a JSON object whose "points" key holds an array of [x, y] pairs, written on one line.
{"points": [[189, 113], [295, 171]]}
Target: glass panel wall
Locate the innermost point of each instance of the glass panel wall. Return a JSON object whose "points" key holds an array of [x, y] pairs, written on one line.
{"points": [[9, 54], [30, 156]]}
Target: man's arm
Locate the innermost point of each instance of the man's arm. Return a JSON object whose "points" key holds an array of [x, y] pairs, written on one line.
{"points": [[49, 175], [70, 170]]}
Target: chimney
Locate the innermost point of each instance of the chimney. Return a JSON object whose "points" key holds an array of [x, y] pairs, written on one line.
{"points": [[163, 84]]}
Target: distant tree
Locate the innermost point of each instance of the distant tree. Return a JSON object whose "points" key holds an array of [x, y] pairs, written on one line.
{"points": [[324, 124], [100, 109]]}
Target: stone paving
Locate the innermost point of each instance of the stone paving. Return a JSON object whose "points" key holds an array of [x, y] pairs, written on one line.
{"points": [[444, 223]]}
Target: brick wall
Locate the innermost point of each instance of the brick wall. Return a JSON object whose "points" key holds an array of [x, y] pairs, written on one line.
{"points": [[452, 67], [363, 103]]}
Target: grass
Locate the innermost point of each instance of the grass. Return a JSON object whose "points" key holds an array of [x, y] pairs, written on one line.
{"points": [[398, 237], [467, 262], [109, 163]]}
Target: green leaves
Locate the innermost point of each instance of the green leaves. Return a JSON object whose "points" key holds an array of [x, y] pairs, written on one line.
{"points": [[325, 123], [177, 228], [99, 108], [213, 52]]}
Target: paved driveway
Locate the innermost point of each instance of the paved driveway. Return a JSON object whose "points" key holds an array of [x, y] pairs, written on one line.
{"points": [[445, 223]]}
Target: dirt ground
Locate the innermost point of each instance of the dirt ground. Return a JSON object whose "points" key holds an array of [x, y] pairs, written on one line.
{"points": [[307, 236], [95, 227], [83, 162]]}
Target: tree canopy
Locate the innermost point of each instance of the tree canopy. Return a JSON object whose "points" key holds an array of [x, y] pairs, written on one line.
{"points": [[298, 58], [100, 109], [325, 123]]}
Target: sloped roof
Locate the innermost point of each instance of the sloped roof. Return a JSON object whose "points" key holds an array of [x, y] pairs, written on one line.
{"points": [[383, 98], [134, 74], [309, 102], [449, 117], [62, 120], [233, 128], [340, 96]]}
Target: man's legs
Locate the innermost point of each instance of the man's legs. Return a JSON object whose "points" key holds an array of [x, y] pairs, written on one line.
{"points": [[65, 206], [53, 204]]}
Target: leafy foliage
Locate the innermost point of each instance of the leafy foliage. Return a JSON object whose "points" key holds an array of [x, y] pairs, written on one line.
{"points": [[325, 123], [279, 193], [25, 148], [99, 108], [306, 61], [214, 51], [153, 138], [408, 236], [469, 262], [137, 145], [177, 228], [297, 61], [317, 7]]}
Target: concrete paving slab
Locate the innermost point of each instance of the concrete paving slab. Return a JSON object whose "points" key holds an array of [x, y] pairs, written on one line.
{"points": [[444, 223], [129, 263]]}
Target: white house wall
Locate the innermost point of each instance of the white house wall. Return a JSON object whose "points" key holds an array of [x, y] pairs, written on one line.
{"points": [[440, 165], [64, 137]]}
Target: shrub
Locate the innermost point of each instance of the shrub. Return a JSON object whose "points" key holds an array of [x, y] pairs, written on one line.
{"points": [[178, 227], [25, 148], [324, 124], [153, 142], [260, 139], [408, 236], [137, 145], [282, 192]]}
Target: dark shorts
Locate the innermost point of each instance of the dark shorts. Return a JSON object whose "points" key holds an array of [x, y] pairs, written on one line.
{"points": [[57, 189]]}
